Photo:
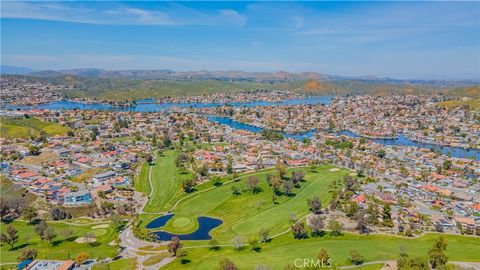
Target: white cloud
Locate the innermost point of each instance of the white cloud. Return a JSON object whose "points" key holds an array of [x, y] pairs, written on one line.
{"points": [[115, 13]]}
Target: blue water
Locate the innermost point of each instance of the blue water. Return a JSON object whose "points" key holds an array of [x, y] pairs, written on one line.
{"points": [[206, 224], [404, 141], [147, 105], [400, 141], [242, 126], [159, 222]]}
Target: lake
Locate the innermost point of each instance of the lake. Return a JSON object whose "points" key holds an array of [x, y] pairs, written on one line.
{"points": [[400, 141], [147, 105]]}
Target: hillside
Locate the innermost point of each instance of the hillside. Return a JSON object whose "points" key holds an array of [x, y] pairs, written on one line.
{"points": [[122, 89], [26, 127]]}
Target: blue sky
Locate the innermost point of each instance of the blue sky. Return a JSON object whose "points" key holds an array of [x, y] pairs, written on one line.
{"points": [[438, 40]]}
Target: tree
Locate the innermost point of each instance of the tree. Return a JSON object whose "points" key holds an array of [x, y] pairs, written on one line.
{"points": [[281, 170], [297, 177], [40, 228], [89, 237], [264, 235], [217, 181], [372, 214], [355, 257], [235, 190], [30, 213], [362, 225], [28, 254], [436, 254], [214, 244], [49, 234], [324, 257], [11, 237], [387, 216], [174, 245], [226, 264], [253, 183], [149, 159], [287, 187], [447, 164], [229, 165], [381, 153], [238, 242], [312, 166], [316, 224], [335, 227], [82, 257], [33, 150], [315, 205], [59, 214], [349, 183], [404, 262], [188, 185], [254, 244], [67, 233], [276, 183], [351, 209], [299, 231]]}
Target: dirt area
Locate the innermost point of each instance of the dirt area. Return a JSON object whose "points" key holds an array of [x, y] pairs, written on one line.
{"points": [[101, 226], [334, 170], [44, 157], [82, 240]]}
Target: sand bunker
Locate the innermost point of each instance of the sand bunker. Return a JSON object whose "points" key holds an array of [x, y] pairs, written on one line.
{"points": [[82, 240], [334, 169], [102, 226]]}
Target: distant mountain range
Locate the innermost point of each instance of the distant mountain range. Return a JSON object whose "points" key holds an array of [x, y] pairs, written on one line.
{"points": [[4, 69], [138, 84], [227, 75]]}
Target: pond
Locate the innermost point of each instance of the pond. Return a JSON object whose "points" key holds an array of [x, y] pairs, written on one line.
{"points": [[205, 225], [148, 105], [159, 222]]}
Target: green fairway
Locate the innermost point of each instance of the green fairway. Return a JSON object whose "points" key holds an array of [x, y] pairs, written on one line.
{"points": [[27, 127], [61, 248], [122, 264], [247, 213], [166, 181], [284, 250], [141, 180]]}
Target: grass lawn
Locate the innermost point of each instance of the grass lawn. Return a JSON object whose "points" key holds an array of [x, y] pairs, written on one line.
{"points": [[26, 127], [473, 104], [122, 264], [141, 180], [284, 250], [154, 259], [247, 213], [62, 248], [167, 183]]}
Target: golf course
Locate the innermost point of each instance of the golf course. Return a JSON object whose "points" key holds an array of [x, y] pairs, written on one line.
{"points": [[63, 246], [245, 213], [283, 250]]}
